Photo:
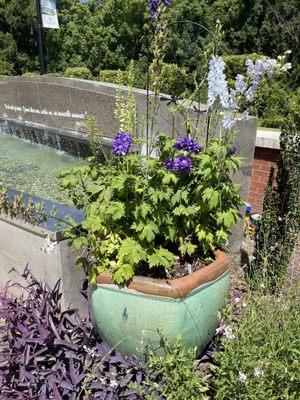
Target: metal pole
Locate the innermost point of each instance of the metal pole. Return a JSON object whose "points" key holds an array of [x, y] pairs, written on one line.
{"points": [[40, 37]]}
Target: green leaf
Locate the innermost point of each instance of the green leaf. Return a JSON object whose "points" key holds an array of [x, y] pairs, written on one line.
{"points": [[116, 209], [131, 251], [79, 242], [149, 231], [142, 210], [123, 273], [187, 248], [161, 257]]}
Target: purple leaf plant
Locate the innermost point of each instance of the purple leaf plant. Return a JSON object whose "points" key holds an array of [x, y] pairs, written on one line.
{"points": [[47, 353]]}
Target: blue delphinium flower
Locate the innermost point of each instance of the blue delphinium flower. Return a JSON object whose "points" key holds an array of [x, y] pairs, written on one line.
{"points": [[178, 164], [187, 144], [240, 84], [256, 71], [232, 151], [217, 84], [228, 122], [122, 144], [154, 6]]}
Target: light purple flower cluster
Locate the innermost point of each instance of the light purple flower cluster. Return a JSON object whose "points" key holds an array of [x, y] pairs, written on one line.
{"points": [[187, 144], [256, 71], [217, 84], [178, 164], [155, 5], [232, 152], [122, 144]]}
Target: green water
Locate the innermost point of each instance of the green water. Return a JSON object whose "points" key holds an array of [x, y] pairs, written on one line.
{"points": [[33, 168]]}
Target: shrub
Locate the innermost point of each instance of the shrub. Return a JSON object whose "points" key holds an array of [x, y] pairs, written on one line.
{"points": [[114, 76], [173, 79], [261, 359], [176, 372], [6, 68], [278, 229], [30, 74], [49, 353], [235, 64], [78, 72]]}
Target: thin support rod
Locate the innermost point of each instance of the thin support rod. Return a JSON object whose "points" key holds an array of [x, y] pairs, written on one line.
{"points": [[40, 37]]}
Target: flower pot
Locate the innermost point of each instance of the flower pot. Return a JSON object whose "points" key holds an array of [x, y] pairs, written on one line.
{"points": [[129, 318]]}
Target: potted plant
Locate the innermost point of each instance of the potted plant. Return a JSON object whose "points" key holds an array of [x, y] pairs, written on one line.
{"points": [[156, 221]]}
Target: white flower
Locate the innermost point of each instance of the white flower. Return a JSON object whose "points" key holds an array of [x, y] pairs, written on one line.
{"points": [[217, 84], [244, 304], [113, 383], [288, 52], [49, 247], [258, 373], [226, 331], [242, 377]]}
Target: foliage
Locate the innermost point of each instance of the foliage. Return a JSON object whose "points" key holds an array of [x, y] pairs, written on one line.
{"points": [[236, 64], [176, 372], [15, 207], [137, 212], [261, 359], [114, 76], [6, 68], [50, 353], [278, 229], [173, 79], [78, 72], [261, 27]]}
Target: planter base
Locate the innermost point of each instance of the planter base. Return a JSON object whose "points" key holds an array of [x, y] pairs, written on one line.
{"points": [[129, 320]]}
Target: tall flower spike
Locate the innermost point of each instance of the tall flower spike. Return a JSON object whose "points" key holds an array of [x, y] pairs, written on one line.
{"points": [[217, 84], [155, 7]]}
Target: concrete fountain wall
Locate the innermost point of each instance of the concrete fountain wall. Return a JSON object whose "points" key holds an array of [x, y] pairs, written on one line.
{"points": [[51, 106]]}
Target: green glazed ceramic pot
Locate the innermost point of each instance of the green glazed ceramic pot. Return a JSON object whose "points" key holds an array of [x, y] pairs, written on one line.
{"points": [[129, 318]]}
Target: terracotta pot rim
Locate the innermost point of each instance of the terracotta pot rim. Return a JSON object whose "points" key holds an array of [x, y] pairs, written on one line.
{"points": [[175, 288]]}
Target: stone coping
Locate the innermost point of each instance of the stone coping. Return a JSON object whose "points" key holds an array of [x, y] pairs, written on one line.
{"points": [[49, 227], [268, 138]]}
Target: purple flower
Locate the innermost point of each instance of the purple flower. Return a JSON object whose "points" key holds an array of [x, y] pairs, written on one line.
{"points": [[232, 151], [122, 144], [187, 144], [178, 164], [155, 6]]}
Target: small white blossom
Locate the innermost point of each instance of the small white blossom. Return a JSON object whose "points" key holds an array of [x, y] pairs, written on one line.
{"points": [[226, 331], [244, 304], [242, 377], [288, 52], [113, 383], [49, 246], [258, 373]]}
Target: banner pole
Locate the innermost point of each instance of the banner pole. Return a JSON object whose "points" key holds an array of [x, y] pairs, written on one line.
{"points": [[40, 37]]}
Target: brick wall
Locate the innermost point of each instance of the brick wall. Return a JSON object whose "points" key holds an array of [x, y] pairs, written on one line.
{"points": [[264, 158]]}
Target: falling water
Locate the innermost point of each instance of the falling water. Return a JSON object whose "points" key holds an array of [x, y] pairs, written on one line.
{"points": [[30, 160]]}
